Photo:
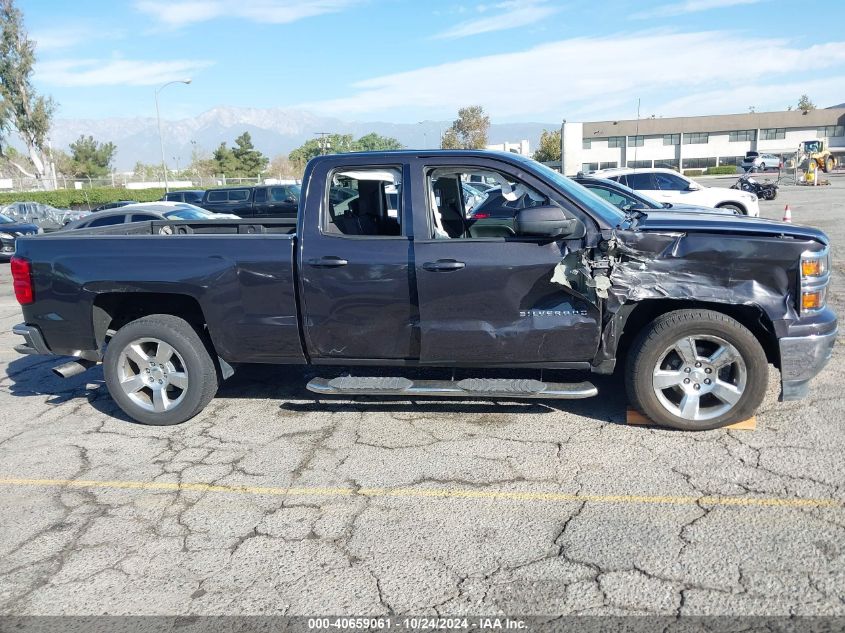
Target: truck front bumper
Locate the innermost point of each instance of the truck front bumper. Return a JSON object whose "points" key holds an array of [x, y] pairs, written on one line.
{"points": [[801, 358]]}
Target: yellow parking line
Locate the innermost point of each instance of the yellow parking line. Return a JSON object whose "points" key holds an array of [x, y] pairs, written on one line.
{"points": [[441, 493]]}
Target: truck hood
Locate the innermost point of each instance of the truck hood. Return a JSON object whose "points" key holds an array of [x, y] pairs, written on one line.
{"points": [[713, 223]]}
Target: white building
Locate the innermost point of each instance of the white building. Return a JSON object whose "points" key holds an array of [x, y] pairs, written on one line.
{"points": [[519, 147], [697, 142]]}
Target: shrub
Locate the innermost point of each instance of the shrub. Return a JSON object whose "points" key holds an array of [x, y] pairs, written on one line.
{"points": [[693, 172], [82, 198], [721, 170]]}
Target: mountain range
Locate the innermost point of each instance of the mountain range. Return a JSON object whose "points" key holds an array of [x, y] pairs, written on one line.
{"points": [[273, 130]]}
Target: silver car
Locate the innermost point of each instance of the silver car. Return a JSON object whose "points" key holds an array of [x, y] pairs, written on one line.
{"points": [[760, 162], [145, 211]]}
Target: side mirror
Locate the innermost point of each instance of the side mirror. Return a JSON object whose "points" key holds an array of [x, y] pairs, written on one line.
{"points": [[693, 187], [290, 199], [548, 221]]}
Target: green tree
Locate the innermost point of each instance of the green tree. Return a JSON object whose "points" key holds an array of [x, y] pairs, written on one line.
{"points": [[805, 105], [451, 140], [90, 159], [224, 160], [329, 144], [22, 108], [248, 160], [468, 131], [373, 142], [549, 148]]}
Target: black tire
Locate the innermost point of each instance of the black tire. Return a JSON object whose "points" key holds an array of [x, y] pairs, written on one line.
{"points": [[762, 166], [773, 193], [651, 344], [193, 353], [829, 165], [733, 207]]}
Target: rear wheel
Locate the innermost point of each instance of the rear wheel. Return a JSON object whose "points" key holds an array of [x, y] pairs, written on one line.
{"points": [[159, 371], [696, 370], [829, 165]]}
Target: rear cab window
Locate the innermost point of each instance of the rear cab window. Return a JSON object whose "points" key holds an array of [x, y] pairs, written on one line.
{"points": [[358, 202]]}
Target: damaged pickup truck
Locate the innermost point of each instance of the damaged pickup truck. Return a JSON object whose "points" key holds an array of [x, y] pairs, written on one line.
{"points": [[386, 267]]}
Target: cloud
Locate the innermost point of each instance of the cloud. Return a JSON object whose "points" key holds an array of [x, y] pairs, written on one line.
{"points": [[69, 35], [510, 14], [690, 6], [179, 13], [581, 75], [115, 72]]}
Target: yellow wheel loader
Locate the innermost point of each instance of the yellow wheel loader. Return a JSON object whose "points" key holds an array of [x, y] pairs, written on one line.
{"points": [[817, 151]]}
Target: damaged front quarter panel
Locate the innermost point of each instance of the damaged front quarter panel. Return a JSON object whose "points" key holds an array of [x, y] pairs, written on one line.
{"points": [[716, 268]]}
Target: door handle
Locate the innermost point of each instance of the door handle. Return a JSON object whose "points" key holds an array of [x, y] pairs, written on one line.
{"points": [[443, 265], [327, 262]]}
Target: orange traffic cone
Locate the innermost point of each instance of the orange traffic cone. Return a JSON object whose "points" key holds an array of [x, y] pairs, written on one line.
{"points": [[787, 214]]}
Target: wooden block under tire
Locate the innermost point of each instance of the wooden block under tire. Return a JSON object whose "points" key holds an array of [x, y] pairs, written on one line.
{"points": [[635, 418]]}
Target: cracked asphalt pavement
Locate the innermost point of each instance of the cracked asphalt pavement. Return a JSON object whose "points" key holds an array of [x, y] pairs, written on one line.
{"points": [[274, 502]]}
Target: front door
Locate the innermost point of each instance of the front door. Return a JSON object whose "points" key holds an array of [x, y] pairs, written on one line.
{"points": [[276, 201], [485, 293], [355, 267]]}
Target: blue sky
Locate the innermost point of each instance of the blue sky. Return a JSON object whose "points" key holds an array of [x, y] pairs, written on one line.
{"points": [[412, 60]]}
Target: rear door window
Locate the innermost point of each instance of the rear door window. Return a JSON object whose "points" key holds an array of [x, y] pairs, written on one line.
{"points": [[238, 195], [142, 217], [260, 196], [217, 196]]}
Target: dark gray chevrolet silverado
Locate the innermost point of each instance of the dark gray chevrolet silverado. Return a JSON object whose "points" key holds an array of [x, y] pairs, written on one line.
{"points": [[386, 266]]}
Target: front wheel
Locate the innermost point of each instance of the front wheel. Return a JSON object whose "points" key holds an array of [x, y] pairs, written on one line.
{"points": [[829, 165], [733, 207], [159, 371], [696, 370]]}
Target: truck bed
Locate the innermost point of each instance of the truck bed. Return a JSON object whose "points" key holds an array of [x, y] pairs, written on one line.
{"points": [[240, 274]]}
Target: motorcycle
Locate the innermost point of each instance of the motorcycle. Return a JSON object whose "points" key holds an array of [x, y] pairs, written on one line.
{"points": [[763, 190]]}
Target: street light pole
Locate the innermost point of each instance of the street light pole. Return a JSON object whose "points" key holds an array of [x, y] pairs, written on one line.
{"points": [[160, 135]]}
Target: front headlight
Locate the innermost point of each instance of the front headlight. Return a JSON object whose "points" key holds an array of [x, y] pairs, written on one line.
{"points": [[815, 276], [7, 236]]}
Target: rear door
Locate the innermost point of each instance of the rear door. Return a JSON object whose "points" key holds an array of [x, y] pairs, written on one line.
{"points": [[490, 300], [355, 266]]}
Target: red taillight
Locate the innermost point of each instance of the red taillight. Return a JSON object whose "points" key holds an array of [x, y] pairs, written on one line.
{"points": [[22, 278], [481, 216]]}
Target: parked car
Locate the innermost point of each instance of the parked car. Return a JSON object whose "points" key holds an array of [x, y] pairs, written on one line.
{"points": [[42, 215], [666, 185], [113, 205], [698, 304], [10, 231], [626, 199], [760, 162], [264, 201], [192, 196], [145, 211]]}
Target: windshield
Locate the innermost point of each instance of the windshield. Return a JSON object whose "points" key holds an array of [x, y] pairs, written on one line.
{"points": [[4, 219], [610, 214], [188, 214]]}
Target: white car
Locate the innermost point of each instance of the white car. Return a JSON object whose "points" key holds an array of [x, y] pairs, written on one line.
{"points": [[667, 185]]}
